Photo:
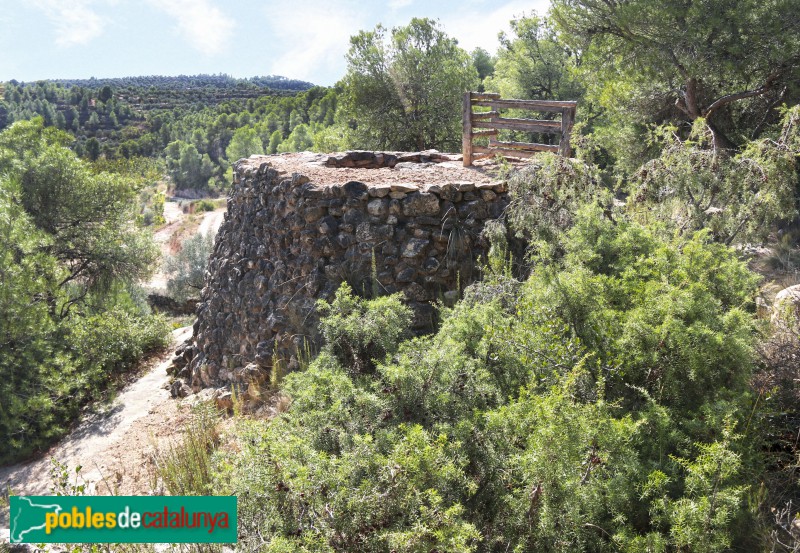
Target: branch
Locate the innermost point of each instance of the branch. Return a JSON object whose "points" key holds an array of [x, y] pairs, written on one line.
{"points": [[725, 100]]}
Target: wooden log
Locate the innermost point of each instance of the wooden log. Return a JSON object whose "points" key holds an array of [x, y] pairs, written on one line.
{"points": [[466, 134], [525, 127], [490, 132], [556, 125], [485, 115], [484, 95], [515, 153], [520, 145], [567, 120], [533, 105]]}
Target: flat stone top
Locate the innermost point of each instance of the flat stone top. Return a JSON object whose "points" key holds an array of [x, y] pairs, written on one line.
{"points": [[435, 168]]}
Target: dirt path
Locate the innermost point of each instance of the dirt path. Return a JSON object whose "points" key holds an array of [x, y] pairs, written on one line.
{"points": [[174, 227], [211, 222], [114, 446]]}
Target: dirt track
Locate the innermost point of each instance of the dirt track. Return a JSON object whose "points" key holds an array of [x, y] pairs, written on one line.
{"points": [[113, 446]]}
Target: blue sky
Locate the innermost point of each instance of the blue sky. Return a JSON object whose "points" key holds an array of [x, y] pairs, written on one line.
{"points": [[303, 39]]}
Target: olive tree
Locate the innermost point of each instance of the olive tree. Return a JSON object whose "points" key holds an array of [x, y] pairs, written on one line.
{"points": [[404, 87]]}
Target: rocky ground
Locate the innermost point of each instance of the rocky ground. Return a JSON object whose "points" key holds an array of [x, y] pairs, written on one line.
{"points": [[415, 168]]}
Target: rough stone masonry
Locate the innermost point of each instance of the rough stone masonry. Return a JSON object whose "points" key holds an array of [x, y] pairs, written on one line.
{"points": [[299, 225]]}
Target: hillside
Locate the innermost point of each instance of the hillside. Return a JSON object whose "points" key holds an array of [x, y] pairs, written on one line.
{"points": [[393, 349]]}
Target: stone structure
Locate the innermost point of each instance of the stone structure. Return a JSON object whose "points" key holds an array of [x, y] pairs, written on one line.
{"points": [[294, 232]]}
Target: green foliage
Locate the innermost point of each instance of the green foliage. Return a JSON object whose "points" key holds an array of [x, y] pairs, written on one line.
{"points": [[116, 339], [186, 269], [69, 255], [64, 481], [201, 206], [298, 140], [244, 143], [623, 292], [546, 196], [593, 411], [738, 198], [358, 332], [534, 64], [275, 140], [404, 90], [703, 519], [483, 62], [649, 61], [186, 166]]}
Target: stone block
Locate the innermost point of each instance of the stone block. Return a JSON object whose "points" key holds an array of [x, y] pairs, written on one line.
{"points": [[414, 247]]}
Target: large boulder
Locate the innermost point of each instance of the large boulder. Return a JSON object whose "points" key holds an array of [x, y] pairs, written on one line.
{"points": [[786, 309]]}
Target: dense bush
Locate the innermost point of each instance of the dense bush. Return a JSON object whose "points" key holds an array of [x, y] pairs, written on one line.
{"points": [[186, 269], [70, 255], [601, 410], [739, 198]]}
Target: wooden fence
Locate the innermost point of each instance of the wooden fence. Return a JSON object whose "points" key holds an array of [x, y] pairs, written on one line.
{"points": [[489, 124]]}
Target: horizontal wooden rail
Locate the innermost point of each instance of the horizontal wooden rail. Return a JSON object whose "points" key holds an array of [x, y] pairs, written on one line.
{"points": [[490, 123], [533, 126], [485, 115], [523, 146], [533, 105]]}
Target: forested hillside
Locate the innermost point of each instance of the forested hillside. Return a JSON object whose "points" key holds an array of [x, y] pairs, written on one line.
{"points": [[188, 121]]}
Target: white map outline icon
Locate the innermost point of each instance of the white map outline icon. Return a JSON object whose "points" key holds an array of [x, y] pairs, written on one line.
{"points": [[18, 538]]}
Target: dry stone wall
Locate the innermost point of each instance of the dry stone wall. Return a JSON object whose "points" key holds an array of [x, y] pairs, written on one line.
{"points": [[287, 242]]}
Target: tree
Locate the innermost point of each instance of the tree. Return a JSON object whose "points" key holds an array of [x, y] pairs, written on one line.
{"points": [[728, 62], [298, 140], [483, 63], [67, 238], [86, 215], [275, 140], [404, 90], [93, 148], [534, 64], [187, 268], [187, 167], [61, 121], [738, 198], [106, 94], [94, 121], [245, 142]]}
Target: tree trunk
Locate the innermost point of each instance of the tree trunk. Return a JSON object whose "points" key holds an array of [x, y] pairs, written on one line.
{"points": [[719, 141]]}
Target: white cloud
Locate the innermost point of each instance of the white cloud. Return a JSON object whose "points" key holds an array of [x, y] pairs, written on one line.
{"points": [[202, 24], [399, 4], [480, 27], [312, 37], [75, 21]]}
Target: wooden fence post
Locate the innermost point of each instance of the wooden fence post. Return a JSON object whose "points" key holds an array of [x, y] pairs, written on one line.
{"points": [[466, 138], [567, 120]]}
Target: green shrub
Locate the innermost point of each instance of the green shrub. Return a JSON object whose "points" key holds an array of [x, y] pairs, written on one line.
{"points": [[592, 408], [115, 340], [186, 270], [737, 198], [659, 313], [545, 197], [201, 206], [357, 332]]}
